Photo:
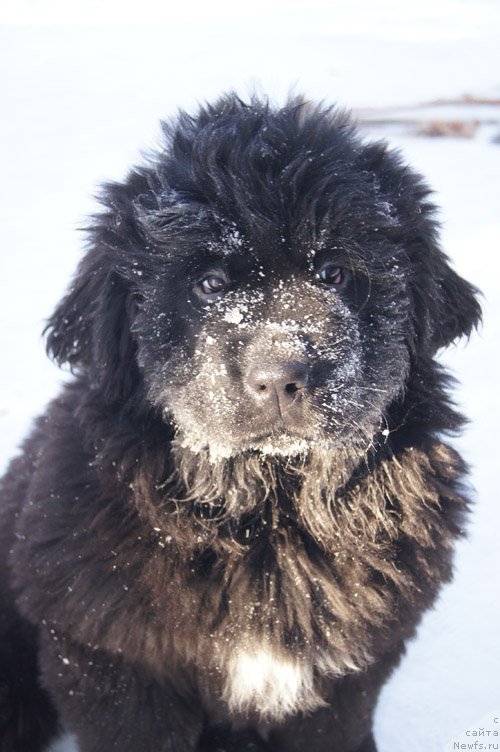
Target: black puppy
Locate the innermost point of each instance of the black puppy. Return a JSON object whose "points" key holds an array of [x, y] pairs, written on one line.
{"points": [[221, 534]]}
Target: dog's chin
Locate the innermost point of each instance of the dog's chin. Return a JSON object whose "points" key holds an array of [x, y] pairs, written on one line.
{"points": [[279, 442]]}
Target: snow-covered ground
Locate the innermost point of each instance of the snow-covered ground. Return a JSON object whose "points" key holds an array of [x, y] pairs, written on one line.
{"points": [[83, 85]]}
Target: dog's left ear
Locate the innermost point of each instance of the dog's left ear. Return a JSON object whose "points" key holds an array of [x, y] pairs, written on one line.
{"points": [[456, 308], [446, 305]]}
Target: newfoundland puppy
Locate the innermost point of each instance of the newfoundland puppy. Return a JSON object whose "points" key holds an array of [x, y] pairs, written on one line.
{"points": [[221, 534]]}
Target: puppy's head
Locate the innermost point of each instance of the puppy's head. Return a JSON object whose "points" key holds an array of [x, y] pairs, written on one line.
{"points": [[267, 283]]}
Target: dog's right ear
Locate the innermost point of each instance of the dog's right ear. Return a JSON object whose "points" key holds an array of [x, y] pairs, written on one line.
{"points": [[90, 329]]}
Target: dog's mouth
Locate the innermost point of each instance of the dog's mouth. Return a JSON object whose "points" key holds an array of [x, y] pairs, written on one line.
{"points": [[288, 433], [279, 430], [280, 440]]}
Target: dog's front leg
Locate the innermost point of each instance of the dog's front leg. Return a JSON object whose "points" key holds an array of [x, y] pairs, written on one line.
{"points": [[345, 724], [224, 739], [109, 704]]}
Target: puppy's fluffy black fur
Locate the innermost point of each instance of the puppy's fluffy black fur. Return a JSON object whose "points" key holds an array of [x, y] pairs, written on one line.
{"points": [[221, 534]]}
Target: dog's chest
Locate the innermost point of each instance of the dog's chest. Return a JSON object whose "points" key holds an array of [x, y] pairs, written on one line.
{"points": [[258, 672]]}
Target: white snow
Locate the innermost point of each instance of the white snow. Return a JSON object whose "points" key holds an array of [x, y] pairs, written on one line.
{"points": [[83, 87], [234, 315]]}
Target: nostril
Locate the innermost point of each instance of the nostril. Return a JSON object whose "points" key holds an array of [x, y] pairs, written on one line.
{"points": [[282, 378]]}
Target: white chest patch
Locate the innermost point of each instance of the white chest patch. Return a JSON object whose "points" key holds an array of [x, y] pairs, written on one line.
{"points": [[265, 682]]}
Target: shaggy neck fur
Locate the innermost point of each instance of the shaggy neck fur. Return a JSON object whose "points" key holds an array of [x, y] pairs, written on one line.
{"points": [[229, 503], [312, 553], [240, 488]]}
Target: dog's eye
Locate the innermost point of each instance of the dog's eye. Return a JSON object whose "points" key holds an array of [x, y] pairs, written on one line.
{"points": [[332, 275], [212, 284]]}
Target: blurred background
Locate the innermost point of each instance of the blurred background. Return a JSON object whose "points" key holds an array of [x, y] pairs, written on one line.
{"points": [[83, 86]]}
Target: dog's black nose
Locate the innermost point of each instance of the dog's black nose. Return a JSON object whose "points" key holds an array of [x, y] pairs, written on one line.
{"points": [[278, 383]]}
